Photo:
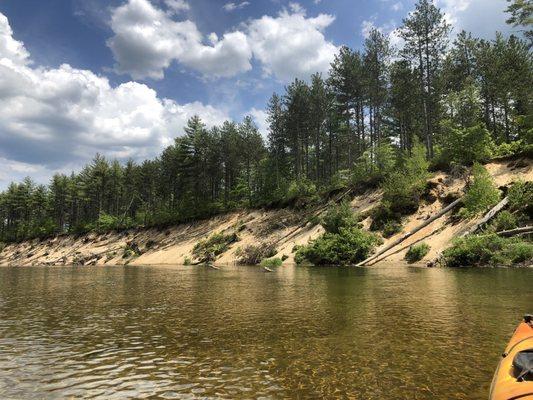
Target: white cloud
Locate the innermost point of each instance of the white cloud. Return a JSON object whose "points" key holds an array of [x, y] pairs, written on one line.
{"points": [[231, 6], [260, 119], [397, 6], [291, 45], [177, 6], [146, 41], [11, 51], [389, 29], [54, 118], [481, 17]]}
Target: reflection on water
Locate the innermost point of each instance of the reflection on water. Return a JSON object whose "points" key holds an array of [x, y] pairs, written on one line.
{"points": [[193, 332]]}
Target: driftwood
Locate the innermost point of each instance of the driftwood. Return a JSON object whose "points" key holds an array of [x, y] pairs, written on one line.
{"points": [[488, 216], [383, 257], [411, 233], [516, 232]]}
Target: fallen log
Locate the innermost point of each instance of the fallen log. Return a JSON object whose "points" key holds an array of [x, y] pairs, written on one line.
{"points": [[488, 216], [412, 232], [516, 231], [383, 257]]}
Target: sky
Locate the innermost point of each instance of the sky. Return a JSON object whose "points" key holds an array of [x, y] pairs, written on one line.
{"points": [[122, 77]]}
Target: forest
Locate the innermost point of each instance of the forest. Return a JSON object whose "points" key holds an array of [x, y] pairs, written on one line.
{"points": [[381, 116]]}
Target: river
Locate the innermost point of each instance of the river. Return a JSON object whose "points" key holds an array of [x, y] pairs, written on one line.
{"points": [[386, 332]]}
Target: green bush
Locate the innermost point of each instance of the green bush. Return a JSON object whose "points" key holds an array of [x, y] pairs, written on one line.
{"points": [[521, 196], [186, 261], [254, 254], [271, 263], [509, 149], [482, 193], [207, 250], [2, 246], [391, 228], [302, 192], [417, 252], [479, 250], [382, 215], [402, 189], [505, 220], [339, 216], [466, 145], [350, 246]]}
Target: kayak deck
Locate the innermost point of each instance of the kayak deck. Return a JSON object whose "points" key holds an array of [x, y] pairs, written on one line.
{"points": [[505, 385]]}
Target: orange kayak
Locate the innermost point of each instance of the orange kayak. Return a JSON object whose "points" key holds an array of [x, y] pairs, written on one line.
{"points": [[514, 376]]}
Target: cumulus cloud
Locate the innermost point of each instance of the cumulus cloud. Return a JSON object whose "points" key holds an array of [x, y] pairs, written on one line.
{"points": [[58, 117], [232, 6], [465, 14], [177, 6], [292, 45], [260, 119], [147, 40]]}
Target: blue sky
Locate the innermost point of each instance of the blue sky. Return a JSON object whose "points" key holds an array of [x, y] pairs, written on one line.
{"points": [[121, 77]]}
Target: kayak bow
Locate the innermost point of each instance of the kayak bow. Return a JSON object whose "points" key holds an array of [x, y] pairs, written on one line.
{"points": [[514, 376]]}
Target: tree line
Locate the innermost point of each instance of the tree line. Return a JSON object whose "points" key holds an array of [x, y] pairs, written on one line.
{"points": [[464, 101]]}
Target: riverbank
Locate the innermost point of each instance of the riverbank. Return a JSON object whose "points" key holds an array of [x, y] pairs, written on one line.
{"points": [[282, 229]]}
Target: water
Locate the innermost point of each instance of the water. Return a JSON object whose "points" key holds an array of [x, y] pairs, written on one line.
{"points": [[195, 332]]}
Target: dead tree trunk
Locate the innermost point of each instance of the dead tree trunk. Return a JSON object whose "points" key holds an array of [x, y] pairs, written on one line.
{"points": [[488, 216], [411, 233], [516, 232]]}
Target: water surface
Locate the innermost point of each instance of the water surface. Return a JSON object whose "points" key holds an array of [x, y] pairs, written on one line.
{"points": [[239, 333]]}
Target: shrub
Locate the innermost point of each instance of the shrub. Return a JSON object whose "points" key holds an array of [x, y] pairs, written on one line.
{"points": [[505, 220], [477, 250], [339, 216], [391, 228], [382, 215], [466, 145], [271, 262], [521, 196], [186, 261], [302, 192], [350, 246], [2, 246], [253, 254], [481, 194], [402, 189], [509, 149], [207, 250], [417, 252]]}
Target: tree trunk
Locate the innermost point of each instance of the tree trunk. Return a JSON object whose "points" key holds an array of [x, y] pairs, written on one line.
{"points": [[411, 233]]}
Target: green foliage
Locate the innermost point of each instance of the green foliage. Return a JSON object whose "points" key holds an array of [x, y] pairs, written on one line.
{"points": [[339, 216], [481, 194], [521, 196], [187, 261], [480, 250], [301, 192], [2, 246], [350, 246], [208, 250], [402, 190], [466, 146], [271, 263], [382, 215], [391, 228], [255, 253], [509, 149], [505, 220], [417, 252], [131, 250]]}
